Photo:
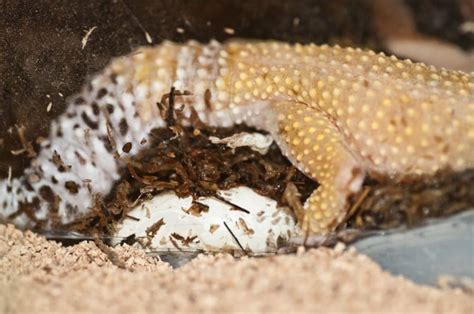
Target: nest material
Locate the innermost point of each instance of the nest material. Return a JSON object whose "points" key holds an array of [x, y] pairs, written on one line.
{"points": [[183, 159]]}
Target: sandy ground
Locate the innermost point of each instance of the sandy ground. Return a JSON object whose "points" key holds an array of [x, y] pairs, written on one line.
{"points": [[37, 275]]}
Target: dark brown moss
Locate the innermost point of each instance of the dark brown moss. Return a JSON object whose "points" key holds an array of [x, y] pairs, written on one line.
{"points": [[184, 160], [389, 205], [191, 165]]}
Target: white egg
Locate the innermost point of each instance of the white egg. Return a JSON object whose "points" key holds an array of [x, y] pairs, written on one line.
{"points": [[256, 224]]}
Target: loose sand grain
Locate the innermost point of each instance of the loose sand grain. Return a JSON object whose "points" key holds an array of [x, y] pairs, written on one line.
{"points": [[37, 275]]}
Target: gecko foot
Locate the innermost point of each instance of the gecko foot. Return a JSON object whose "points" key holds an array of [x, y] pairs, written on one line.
{"points": [[311, 141]]}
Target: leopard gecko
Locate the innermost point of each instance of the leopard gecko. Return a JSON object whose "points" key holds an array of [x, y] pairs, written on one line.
{"points": [[338, 114]]}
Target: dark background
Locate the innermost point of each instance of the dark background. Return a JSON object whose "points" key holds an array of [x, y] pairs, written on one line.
{"points": [[41, 50]]}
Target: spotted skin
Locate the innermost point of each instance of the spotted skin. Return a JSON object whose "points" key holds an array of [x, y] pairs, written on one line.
{"points": [[338, 114]]}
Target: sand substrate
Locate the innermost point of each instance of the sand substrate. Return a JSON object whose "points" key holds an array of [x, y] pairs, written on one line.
{"points": [[37, 275]]}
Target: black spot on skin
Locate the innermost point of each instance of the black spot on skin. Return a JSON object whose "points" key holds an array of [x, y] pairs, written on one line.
{"points": [[54, 180], [58, 162], [91, 124], [4, 204], [35, 205], [27, 185], [123, 126], [110, 108], [72, 187], [113, 78], [9, 189], [71, 210], [95, 109], [59, 132], [79, 101], [101, 93], [127, 147], [107, 144], [71, 115], [47, 194], [143, 141], [76, 126], [27, 208]]}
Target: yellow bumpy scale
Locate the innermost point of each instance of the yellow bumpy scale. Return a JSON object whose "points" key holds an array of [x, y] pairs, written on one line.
{"points": [[337, 113]]}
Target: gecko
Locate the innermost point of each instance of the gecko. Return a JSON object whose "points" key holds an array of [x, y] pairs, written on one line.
{"points": [[338, 114]]}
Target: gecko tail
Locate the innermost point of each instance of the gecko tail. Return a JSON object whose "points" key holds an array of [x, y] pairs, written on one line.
{"points": [[79, 160], [42, 202], [11, 194]]}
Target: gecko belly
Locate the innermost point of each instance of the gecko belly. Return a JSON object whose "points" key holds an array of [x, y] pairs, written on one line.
{"points": [[337, 114]]}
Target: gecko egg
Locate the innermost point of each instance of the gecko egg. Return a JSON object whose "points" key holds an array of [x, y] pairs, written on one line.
{"points": [[239, 219]]}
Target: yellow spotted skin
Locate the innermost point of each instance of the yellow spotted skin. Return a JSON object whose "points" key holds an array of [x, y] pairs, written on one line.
{"points": [[338, 113]]}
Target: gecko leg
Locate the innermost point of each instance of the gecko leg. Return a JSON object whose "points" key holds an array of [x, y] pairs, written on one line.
{"points": [[316, 146]]}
